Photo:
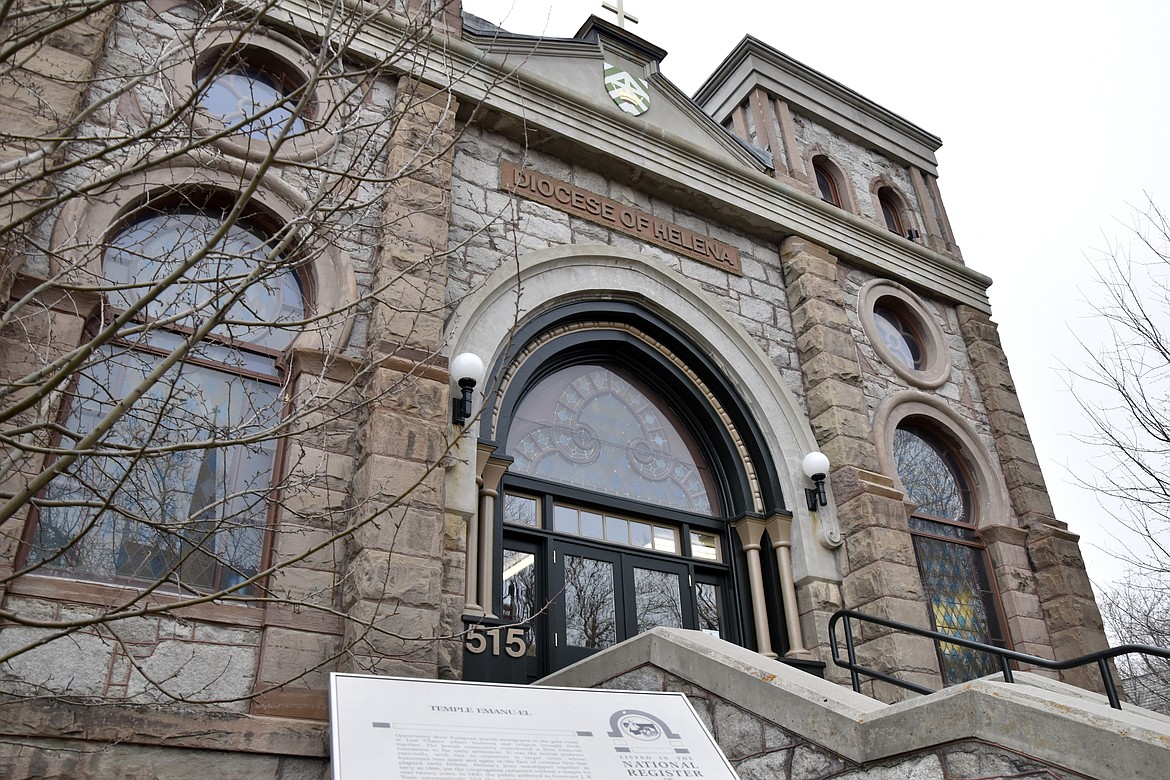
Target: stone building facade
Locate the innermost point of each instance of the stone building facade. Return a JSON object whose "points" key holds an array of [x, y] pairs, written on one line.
{"points": [[676, 301]]}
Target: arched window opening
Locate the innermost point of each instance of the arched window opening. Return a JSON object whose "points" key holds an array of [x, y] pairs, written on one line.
{"points": [[826, 182], [952, 562], [621, 472], [891, 211], [601, 428], [176, 491]]}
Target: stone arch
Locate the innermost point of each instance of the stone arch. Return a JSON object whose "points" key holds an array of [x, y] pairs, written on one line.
{"points": [[991, 494], [884, 185], [326, 270], [484, 322], [815, 154]]}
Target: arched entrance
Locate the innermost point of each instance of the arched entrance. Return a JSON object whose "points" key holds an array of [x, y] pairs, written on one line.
{"points": [[634, 450]]}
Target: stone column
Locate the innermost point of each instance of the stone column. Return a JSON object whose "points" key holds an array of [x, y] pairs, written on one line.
{"points": [[490, 473], [751, 534], [780, 531], [879, 572], [395, 598], [1063, 595]]}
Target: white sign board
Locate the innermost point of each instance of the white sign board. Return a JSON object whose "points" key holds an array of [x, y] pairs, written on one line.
{"points": [[408, 729]]}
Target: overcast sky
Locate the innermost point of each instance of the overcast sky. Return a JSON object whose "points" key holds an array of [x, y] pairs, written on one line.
{"points": [[1054, 120]]}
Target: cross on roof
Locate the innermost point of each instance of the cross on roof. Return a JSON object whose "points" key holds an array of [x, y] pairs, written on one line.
{"points": [[620, 10]]}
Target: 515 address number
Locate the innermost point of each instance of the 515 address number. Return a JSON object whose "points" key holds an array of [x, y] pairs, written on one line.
{"points": [[510, 639]]}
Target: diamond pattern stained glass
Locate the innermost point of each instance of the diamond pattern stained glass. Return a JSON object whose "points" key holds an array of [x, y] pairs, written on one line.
{"points": [[958, 606]]}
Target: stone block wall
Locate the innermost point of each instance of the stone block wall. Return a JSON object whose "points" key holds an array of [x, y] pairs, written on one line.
{"points": [[1051, 570], [489, 229], [760, 749], [42, 88], [369, 417], [879, 575]]}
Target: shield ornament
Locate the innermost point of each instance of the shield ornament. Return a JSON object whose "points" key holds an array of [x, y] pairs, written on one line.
{"points": [[631, 93]]}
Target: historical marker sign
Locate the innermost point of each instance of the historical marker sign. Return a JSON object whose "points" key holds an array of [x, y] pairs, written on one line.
{"points": [[408, 729]]}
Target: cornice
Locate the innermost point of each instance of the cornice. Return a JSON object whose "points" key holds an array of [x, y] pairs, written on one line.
{"points": [[753, 63], [521, 104]]}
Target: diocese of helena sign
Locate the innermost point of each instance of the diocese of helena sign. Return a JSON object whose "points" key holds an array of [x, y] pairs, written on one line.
{"points": [[534, 185], [389, 728]]}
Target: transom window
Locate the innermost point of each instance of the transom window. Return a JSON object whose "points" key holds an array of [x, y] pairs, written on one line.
{"points": [[931, 477], [177, 490], [594, 427], [611, 528]]}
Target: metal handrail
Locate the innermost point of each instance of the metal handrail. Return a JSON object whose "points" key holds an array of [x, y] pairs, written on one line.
{"points": [[1005, 656]]}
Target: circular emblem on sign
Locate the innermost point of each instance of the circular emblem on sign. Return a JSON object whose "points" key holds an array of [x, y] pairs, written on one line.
{"points": [[640, 727], [631, 93]]}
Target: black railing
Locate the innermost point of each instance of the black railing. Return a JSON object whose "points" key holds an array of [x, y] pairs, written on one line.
{"points": [[1004, 656]]}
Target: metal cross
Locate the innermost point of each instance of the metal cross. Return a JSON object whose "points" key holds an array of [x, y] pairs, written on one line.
{"points": [[620, 10]]}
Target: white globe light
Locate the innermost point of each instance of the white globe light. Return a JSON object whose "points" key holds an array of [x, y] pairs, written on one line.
{"points": [[816, 464], [467, 365]]}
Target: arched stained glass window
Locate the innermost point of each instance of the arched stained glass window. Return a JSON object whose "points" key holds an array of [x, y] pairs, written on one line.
{"points": [[951, 559], [597, 427], [931, 477]]}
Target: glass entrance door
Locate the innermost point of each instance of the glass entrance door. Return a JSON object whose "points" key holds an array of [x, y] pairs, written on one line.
{"points": [[599, 597]]}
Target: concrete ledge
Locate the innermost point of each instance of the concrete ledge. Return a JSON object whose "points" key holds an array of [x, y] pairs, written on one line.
{"points": [[1036, 717]]}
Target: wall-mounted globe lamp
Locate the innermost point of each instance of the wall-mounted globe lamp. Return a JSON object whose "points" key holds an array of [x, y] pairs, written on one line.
{"points": [[467, 371], [816, 466]]}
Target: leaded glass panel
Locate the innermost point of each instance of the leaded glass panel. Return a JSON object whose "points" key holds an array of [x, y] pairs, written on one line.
{"points": [[930, 478], [597, 427], [958, 605], [950, 559]]}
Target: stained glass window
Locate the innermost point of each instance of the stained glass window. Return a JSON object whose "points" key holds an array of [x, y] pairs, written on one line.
{"points": [[960, 602], [930, 477], [597, 427], [177, 490], [951, 560]]}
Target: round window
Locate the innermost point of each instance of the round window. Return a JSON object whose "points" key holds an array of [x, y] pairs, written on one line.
{"points": [[267, 91], [904, 334], [899, 337], [262, 103]]}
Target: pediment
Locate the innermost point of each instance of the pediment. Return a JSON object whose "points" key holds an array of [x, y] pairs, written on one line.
{"points": [[572, 71]]}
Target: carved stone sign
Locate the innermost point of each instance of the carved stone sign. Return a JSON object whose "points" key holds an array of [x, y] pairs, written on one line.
{"points": [[412, 729], [604, 211]]}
